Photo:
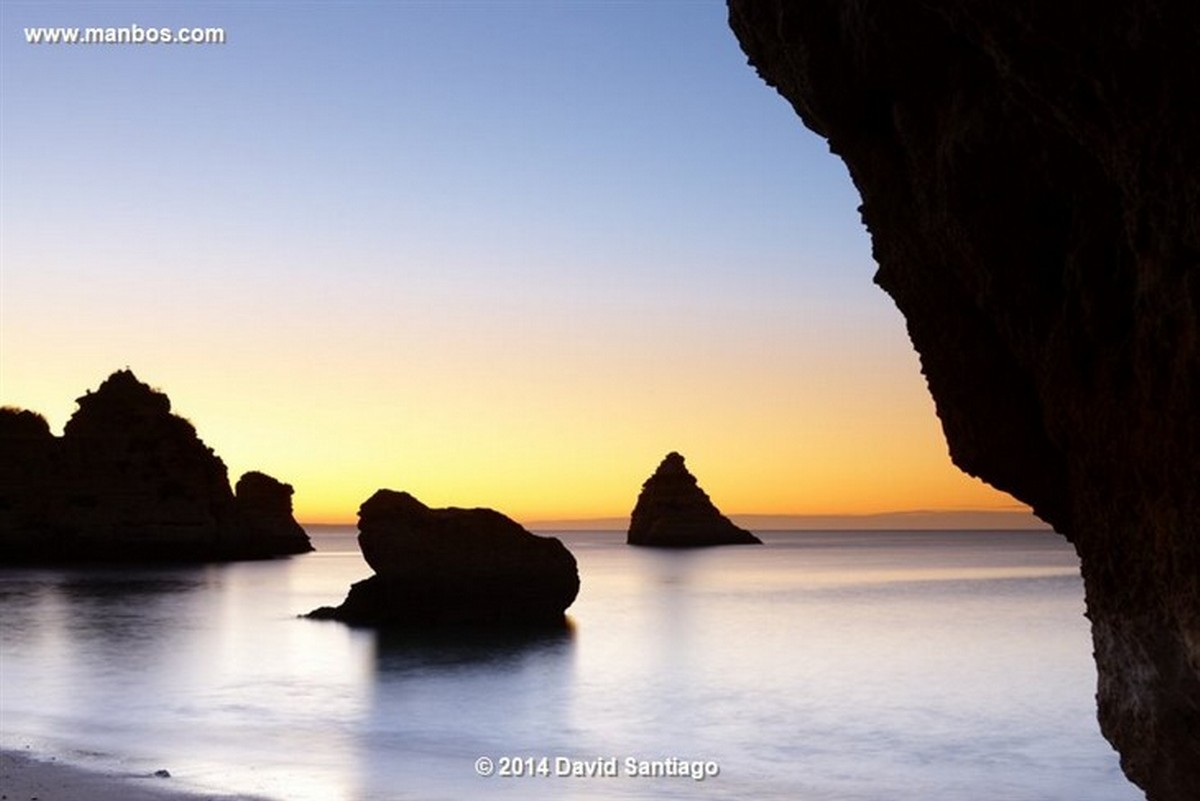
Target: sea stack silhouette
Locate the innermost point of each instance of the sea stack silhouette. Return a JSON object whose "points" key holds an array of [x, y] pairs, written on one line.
{"points": [[130, 481], [1028, 173], [454, 567], [673, 512]]}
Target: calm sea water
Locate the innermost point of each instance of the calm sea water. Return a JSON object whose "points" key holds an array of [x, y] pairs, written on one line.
{"points": [[823, 666]]}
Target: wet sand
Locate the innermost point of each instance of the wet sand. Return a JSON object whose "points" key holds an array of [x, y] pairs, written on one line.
{"points": [[25, 777]]}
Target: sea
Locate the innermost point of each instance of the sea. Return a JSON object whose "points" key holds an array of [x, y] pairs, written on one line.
{"points": [[821, 666]]}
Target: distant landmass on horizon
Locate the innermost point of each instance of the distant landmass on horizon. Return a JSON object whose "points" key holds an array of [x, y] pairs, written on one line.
{"points": [[916, 520], [921, 519]]}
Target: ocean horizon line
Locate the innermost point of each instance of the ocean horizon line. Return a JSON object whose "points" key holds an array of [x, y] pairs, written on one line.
{"points": [[909, 520]]}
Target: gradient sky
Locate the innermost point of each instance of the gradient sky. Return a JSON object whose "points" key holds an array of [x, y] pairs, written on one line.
{"points": [[495, 253]]}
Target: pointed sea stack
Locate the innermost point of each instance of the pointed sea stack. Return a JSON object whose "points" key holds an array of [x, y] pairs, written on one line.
{"points": [[454, 567], [128, 481], [673, 512]]}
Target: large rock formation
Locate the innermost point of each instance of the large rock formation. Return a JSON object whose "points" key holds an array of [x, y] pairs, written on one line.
{"points": [[129, 480], [673, 512], [264, 515], [28, 463], [1030, 176], [438, 567]]}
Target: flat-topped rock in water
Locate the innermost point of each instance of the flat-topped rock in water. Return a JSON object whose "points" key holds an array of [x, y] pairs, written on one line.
{"points": [[130, 481], [437, 567], [673, 512]]}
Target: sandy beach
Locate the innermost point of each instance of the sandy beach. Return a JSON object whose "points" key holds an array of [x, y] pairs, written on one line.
{"points": [[26, 777]]}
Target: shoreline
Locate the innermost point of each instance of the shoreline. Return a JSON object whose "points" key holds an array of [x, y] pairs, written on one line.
{"points": [[26, 775]]}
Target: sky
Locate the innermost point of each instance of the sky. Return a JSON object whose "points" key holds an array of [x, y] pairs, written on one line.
{"points": [[502, 254]]}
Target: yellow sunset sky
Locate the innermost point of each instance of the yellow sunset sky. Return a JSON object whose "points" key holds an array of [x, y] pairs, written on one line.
{"points": [[493, 259]]}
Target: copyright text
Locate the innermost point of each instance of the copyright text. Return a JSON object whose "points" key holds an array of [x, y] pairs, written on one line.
{"points": [[533, 767]]}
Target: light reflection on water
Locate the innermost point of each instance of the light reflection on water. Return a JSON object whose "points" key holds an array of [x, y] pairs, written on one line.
{"points": [[822, 666]]}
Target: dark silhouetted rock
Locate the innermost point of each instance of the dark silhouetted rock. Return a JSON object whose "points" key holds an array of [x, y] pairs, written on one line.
{"points": [[437, 567], [1030, 176], [28, 460], [264, 516], [128, 481], [673, 512], [22, 425]]}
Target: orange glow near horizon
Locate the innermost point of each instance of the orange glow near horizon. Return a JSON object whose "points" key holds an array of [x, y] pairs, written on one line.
{"points": [[546, 444]]}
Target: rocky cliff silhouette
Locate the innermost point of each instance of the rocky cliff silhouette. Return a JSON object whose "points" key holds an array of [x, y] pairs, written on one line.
{"points": [[130, 481], [1030, 176]]}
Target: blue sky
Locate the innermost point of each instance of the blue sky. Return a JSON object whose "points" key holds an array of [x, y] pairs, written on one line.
{"points": [[505, 234]]}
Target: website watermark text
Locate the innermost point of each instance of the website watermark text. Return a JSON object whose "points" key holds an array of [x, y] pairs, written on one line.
{"points": [[125, 35]]}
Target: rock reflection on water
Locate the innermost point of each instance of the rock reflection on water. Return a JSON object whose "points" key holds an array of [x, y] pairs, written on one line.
{"points": [[95, 590], [201, 669], [441, 699], [400, 652], [134, 617]]}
